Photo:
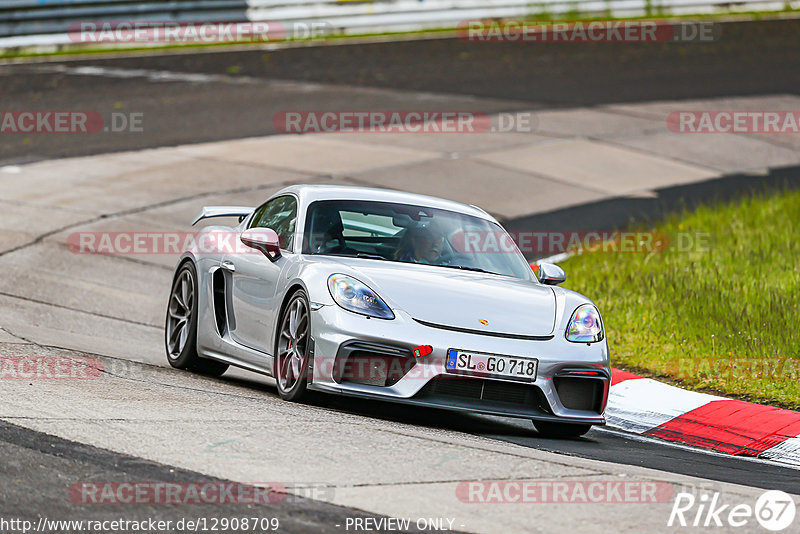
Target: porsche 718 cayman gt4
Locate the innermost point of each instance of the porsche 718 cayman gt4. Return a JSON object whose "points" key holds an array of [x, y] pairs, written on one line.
{"points": [[383, 295]]}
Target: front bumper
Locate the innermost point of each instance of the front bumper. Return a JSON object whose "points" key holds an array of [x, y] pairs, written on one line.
{"points": [[571, 385]]}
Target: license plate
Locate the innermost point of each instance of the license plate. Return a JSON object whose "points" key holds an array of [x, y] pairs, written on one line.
{"points": [[496, 365]]}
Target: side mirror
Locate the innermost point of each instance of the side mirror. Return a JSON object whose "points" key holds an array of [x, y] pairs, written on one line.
{"points": [[551, 275], [262, 239]]}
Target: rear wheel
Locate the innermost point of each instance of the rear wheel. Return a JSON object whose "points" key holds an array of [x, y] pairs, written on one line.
{"points": [[291, 351], [180, 331], [560, 430]]}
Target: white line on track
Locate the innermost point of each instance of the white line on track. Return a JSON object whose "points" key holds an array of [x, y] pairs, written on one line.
{"points": [[150, 74], [166, 76]]}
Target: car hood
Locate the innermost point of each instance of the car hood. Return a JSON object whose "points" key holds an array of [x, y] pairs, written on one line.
{"points": [[464, 299]]}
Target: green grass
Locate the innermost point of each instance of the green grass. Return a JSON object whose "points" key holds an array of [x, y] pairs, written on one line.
{"points": [[725, 319]]}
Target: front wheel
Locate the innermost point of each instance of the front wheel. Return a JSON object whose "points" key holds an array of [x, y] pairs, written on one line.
{"points": [[180, 330], [291, 351], [560, 430]]}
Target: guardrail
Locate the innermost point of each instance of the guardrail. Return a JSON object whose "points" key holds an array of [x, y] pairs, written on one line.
{"points": [[29, 17], [48, 21], [408, 15]]}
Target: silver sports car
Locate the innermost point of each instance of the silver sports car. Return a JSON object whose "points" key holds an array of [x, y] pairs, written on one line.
{"points": [[391, 296]]}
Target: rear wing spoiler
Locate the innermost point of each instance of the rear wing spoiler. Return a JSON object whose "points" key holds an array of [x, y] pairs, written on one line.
{"points": [[222, 211]]}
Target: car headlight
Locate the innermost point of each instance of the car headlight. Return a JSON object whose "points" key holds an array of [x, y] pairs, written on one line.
{"points": [[355, 296], [585, 325]]}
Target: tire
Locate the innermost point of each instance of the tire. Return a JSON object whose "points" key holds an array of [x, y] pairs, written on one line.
{"points": [[180, 329], [560, 430], [290, 367]]}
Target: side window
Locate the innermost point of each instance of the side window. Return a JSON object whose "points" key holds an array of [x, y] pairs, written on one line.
{"points": [[279, 214]]}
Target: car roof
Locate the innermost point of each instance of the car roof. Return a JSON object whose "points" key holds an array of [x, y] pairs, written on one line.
{"points": [[308, 193]]}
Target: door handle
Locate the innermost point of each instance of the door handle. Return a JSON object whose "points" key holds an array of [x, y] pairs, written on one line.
{"points": [[228, 266]]}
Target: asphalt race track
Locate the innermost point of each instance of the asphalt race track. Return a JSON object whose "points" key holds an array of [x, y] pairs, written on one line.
{"points": [[750, 58], [37, 464], [221, 96]]}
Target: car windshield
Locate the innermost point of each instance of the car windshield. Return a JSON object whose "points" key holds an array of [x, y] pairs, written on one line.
{"points": [[411, 234]]}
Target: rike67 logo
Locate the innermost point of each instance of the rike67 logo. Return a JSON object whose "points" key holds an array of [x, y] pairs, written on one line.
{"points": [[774, 510]]}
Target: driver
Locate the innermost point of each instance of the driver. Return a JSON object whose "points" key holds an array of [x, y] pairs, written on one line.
{"points": [[421, 243], [326, 232]]}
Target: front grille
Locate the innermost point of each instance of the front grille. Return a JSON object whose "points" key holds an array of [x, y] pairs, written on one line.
{"points": [[372, 369], [580, 393], [505, 392], [485, 392], [372, 364], [459, 387]]}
